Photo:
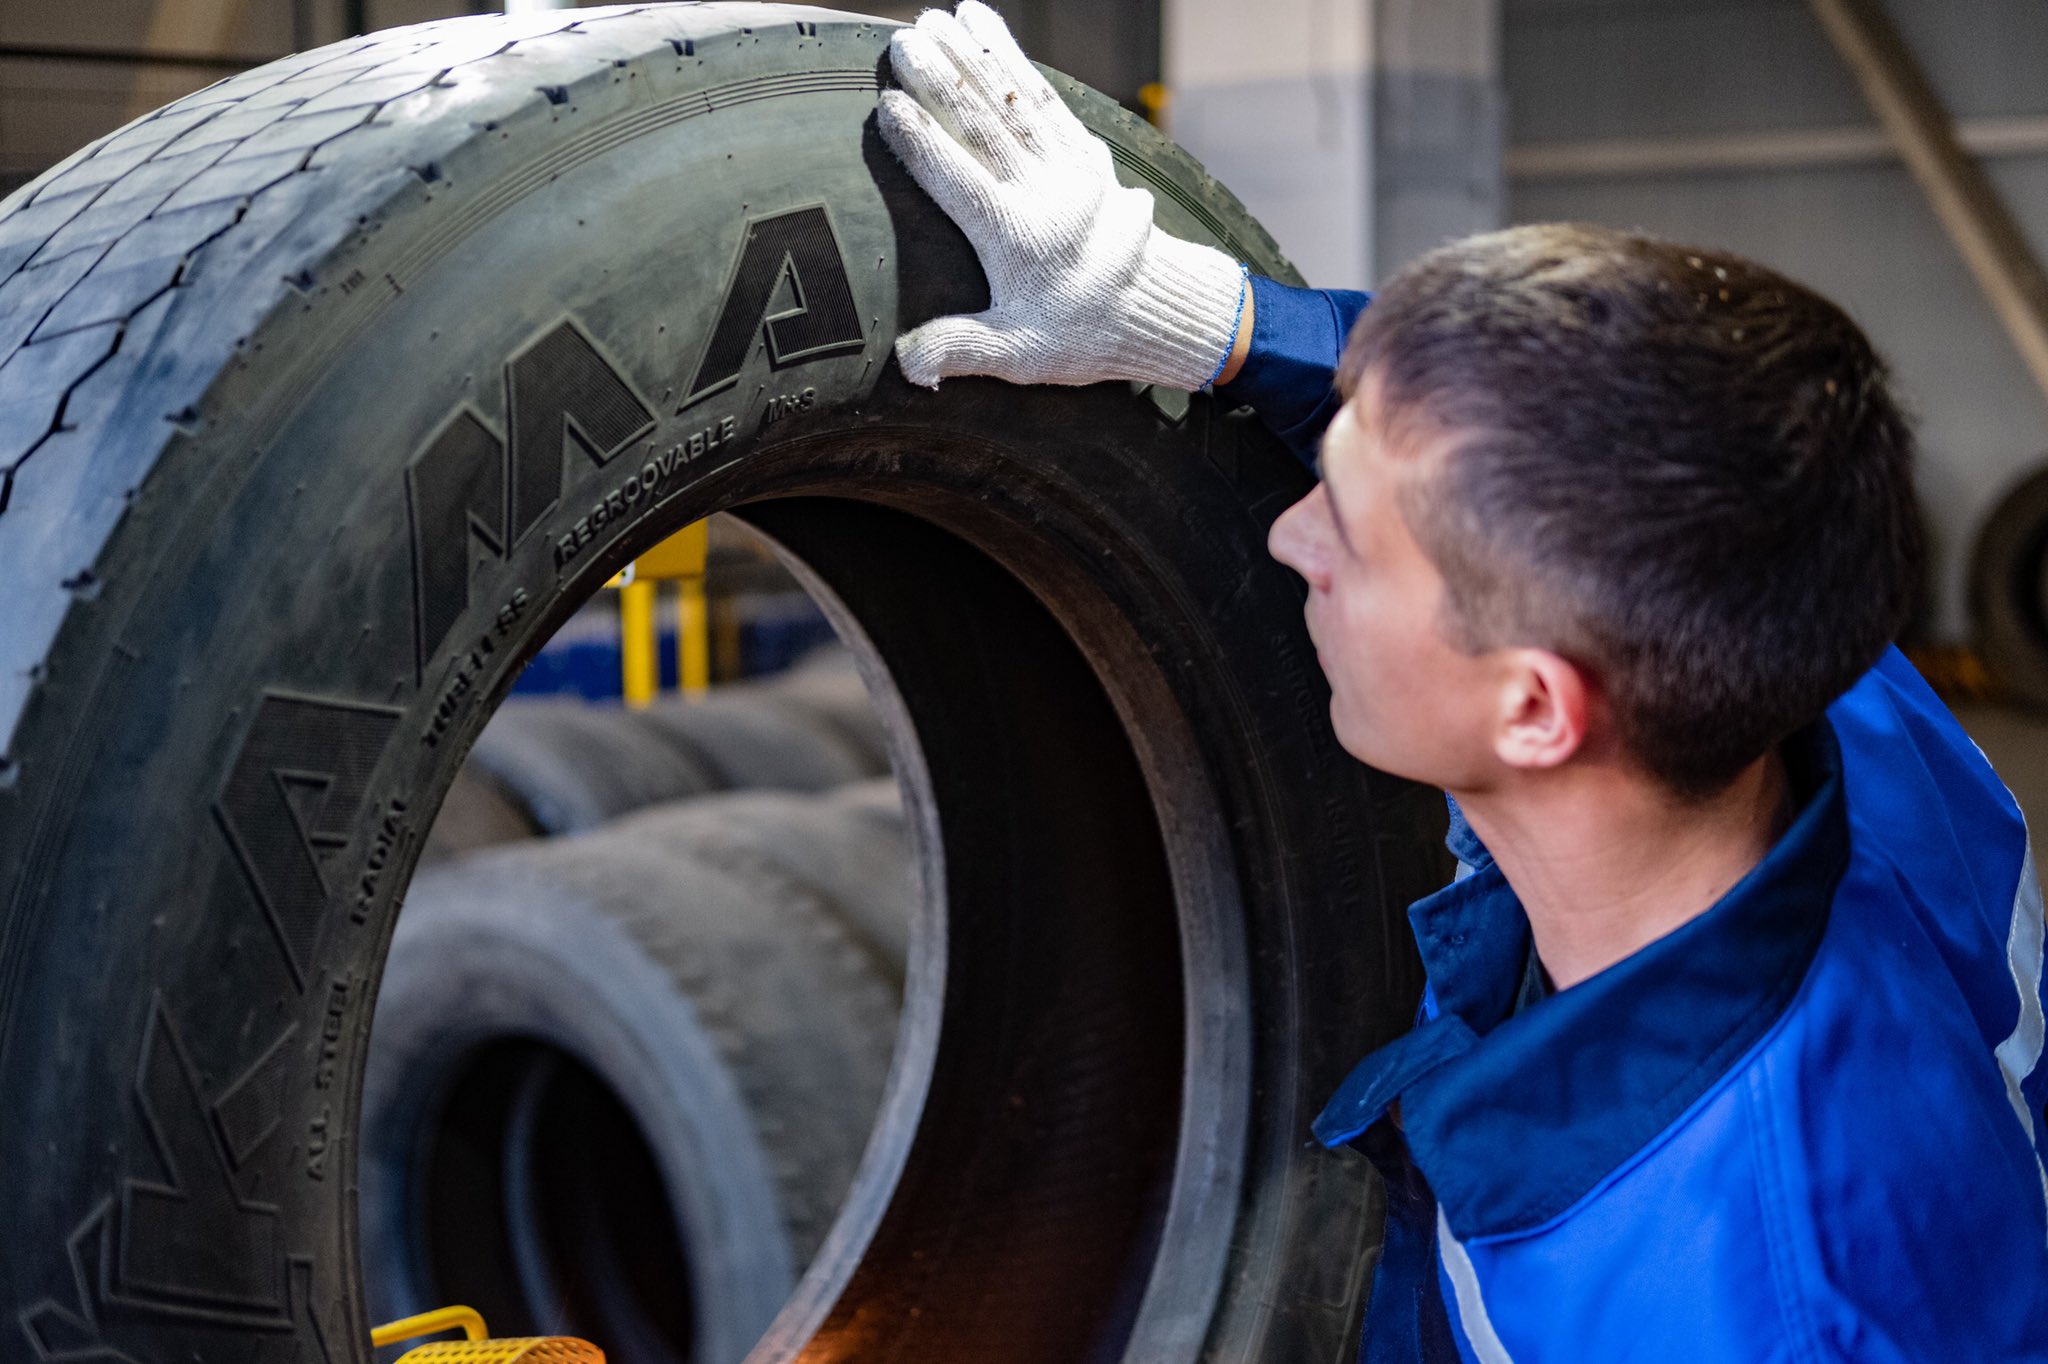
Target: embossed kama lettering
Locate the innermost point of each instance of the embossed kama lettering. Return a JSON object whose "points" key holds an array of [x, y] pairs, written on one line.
{"points": [[473, 496], [788, 281], [291, 804]]}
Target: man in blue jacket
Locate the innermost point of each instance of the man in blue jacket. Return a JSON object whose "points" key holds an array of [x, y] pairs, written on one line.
{"points": [[1732, 1039]]}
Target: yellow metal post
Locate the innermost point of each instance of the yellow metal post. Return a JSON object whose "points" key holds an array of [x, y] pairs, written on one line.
{"points": [[1153, 102], [693, 637], [680, 559], [637, 642]]}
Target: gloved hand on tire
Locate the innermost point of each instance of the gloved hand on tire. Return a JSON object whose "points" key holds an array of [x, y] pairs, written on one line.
{"points": [[1082, 287]]}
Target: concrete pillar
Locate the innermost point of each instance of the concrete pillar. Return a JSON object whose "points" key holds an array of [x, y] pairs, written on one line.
{"points": [[1361, 132]]}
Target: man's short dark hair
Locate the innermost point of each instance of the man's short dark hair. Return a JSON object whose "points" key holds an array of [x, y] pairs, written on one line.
{"points": [[1675, 467]]}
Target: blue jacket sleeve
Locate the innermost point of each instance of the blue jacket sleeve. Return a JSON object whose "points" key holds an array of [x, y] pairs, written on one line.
{"points": [[1297, 336]]}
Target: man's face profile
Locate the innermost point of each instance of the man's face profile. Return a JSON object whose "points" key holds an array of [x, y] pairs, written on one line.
{"points": [[1403, 698]]}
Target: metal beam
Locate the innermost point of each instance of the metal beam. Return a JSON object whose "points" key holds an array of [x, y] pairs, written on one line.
{"points": [[1768, 150], [128, 56], [1962, 196]]}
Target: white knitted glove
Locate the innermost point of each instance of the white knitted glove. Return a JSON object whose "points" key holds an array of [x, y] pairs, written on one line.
{"points": [[1082, 287]]}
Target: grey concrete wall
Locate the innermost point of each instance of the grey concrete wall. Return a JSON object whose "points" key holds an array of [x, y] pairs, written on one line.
{"points": [[1592, 71], [1295, 150], [1360, 132]]}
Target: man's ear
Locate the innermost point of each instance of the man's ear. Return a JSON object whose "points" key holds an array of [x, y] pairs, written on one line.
{"points": [[1546, 705]]}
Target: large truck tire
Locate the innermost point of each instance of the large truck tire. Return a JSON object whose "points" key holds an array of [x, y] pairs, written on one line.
{"points": [[827, 682], [571, 765], [477, 812], [2009, 590], [619, 1083], [330, 390], [753, 736], [847, 846]]}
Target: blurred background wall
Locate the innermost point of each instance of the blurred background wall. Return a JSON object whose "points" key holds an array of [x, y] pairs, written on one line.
{"points": [[1361, 133], [73, 69], [1734, 122], [1365, 131]]}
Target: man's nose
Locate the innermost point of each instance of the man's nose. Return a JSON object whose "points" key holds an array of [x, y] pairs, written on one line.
{"points": [[1292, 540]]}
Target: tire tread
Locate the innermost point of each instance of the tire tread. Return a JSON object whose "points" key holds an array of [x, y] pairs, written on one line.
{"points": [[300, 153]]}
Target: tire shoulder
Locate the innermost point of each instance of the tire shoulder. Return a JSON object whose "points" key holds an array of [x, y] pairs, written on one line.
{"points": [[388, 121]]}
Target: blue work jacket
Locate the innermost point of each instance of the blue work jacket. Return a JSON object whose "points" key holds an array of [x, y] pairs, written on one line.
{"points": [[1806, 1126]]}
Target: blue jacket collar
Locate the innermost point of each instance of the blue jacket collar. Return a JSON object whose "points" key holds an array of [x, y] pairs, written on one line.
{"points": [[1513, 1118]]}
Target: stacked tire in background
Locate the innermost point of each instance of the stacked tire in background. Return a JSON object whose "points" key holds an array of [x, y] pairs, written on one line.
{"points": [[327, 393], [620, 1080], [2009, 591], [560, 765]]}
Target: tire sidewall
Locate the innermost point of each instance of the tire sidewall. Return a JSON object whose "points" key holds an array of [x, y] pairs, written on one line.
{"points": [[467, 972], [193, 956]]}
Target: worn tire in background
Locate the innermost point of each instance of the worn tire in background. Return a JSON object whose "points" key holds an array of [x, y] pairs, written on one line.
{"points": [[477, 812], [329, 391], [620, 1082], [562, 765], [2009, 589]]}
